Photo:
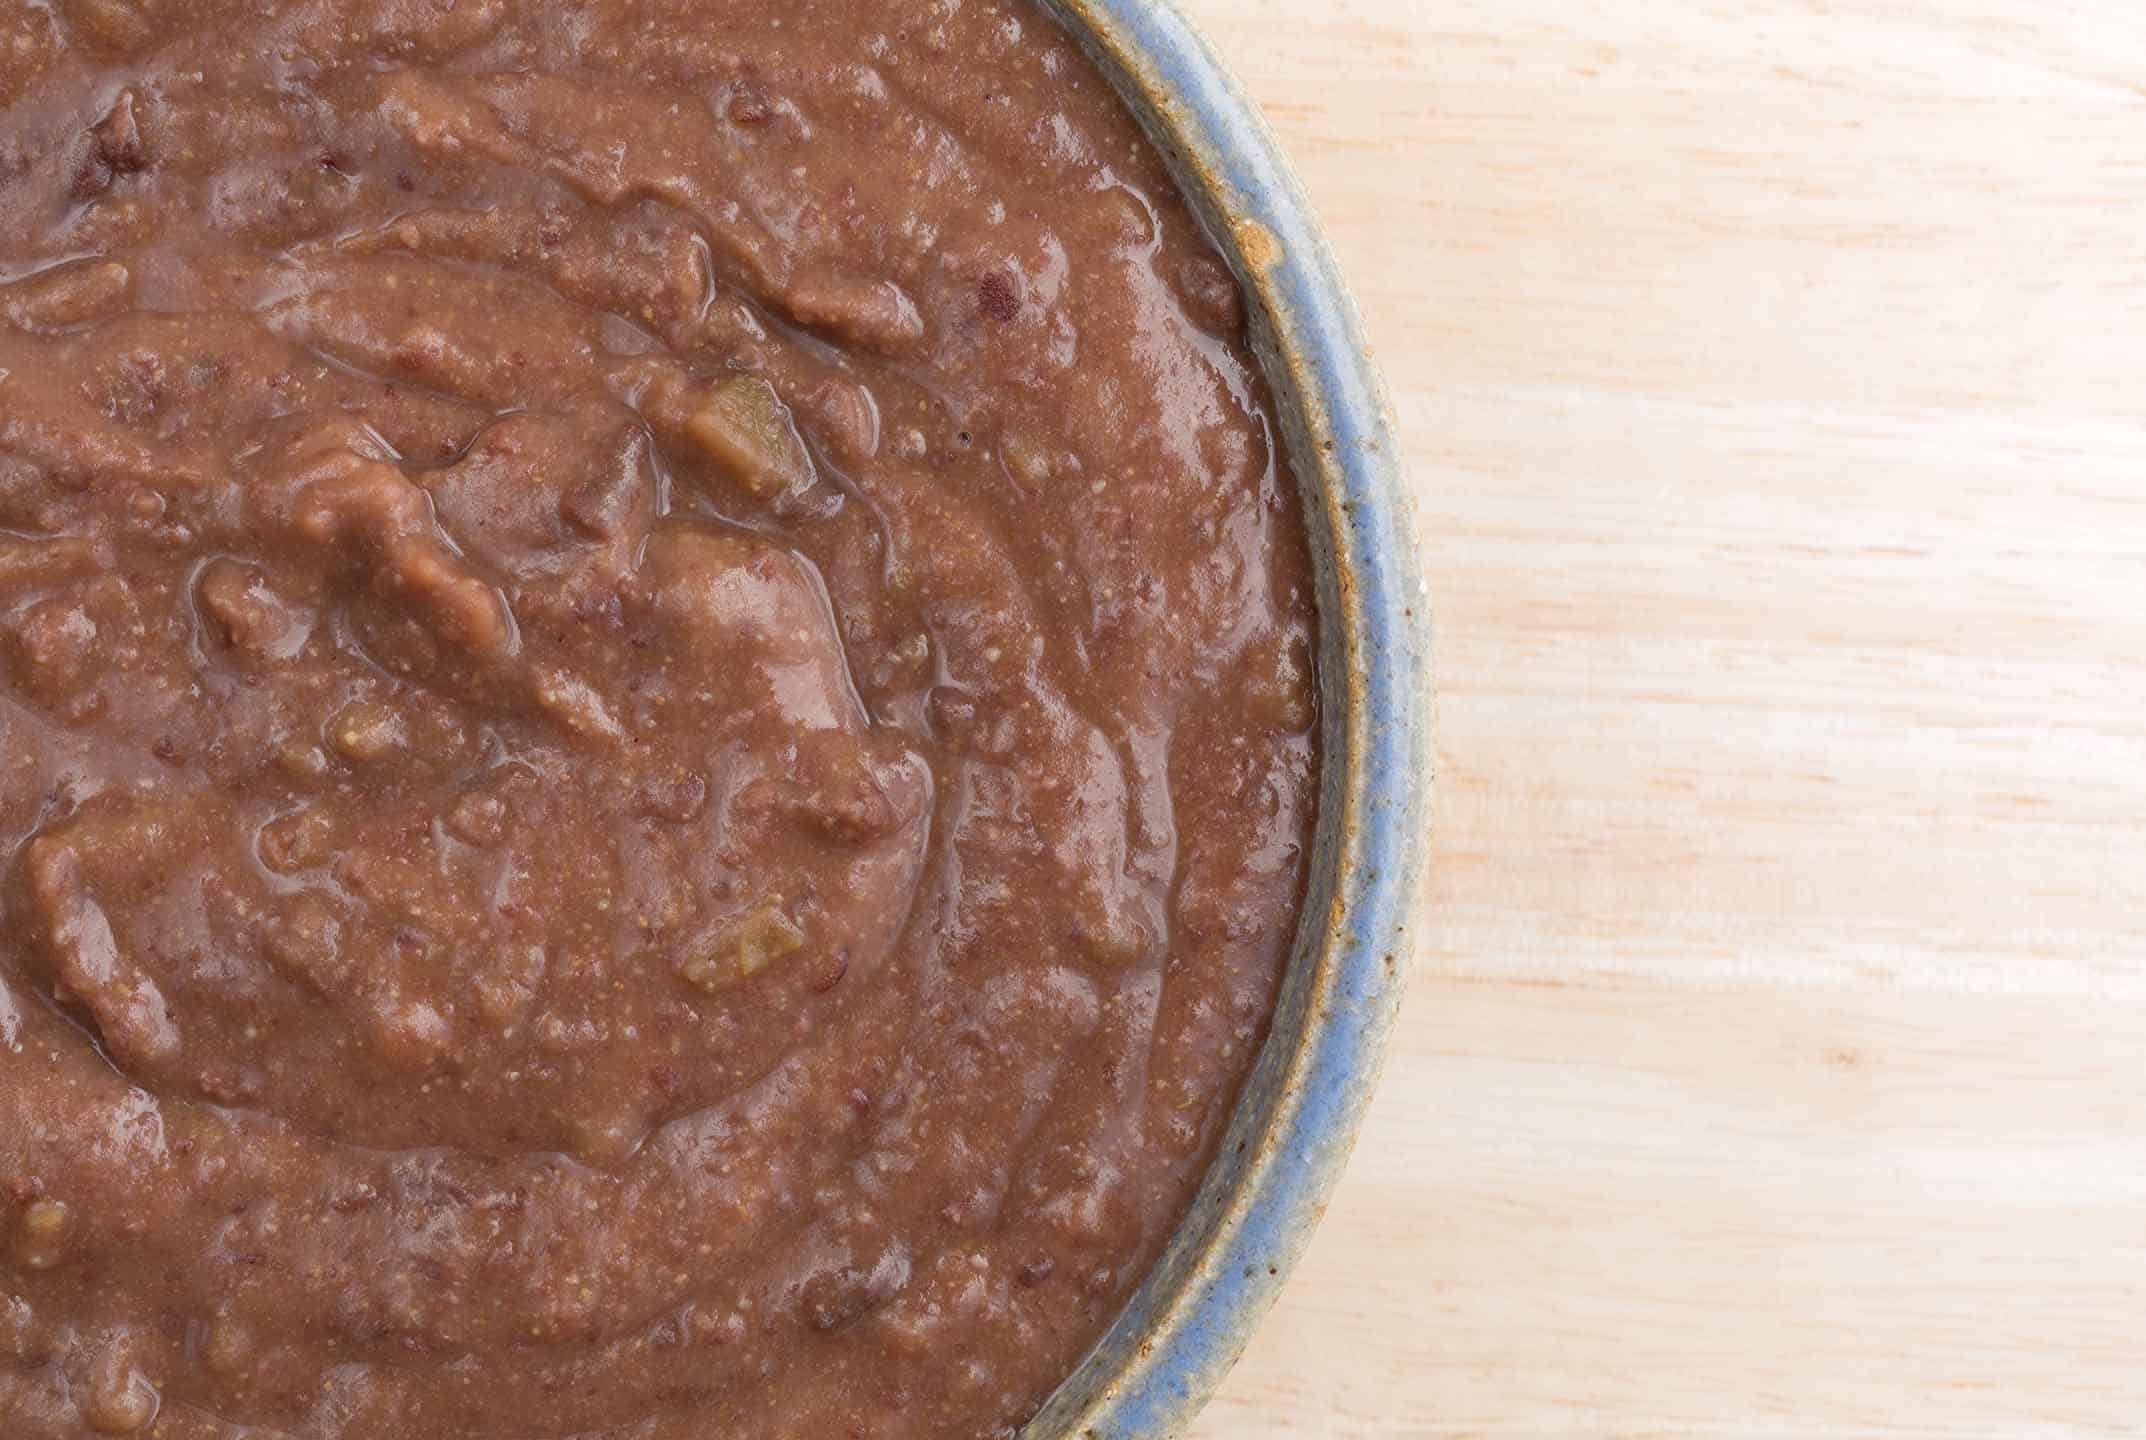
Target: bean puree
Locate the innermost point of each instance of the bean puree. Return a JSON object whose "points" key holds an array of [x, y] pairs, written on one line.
{"points": [[657, 731]]}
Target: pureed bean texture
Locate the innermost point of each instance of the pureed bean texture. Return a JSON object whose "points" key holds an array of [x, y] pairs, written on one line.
{"points": [[656, 717]]}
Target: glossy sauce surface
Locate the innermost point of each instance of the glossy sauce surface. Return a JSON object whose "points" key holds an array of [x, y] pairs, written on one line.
{"points": [[657, 734]]}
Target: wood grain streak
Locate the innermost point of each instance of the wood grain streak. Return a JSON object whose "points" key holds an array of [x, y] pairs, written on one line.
{"points": [[1773, 374]]}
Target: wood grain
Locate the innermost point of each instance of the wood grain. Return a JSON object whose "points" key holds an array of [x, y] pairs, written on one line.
{"points": [[1774, 378]]}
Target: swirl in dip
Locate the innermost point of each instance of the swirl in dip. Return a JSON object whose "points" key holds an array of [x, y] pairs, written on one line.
{"points": [[656, 717]]}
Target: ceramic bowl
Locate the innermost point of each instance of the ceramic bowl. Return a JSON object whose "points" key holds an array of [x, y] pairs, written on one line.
{"points": [[1300, 1110]]}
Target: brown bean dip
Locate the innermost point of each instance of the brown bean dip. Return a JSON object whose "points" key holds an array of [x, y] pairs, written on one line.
{"points": [[657, 731]]}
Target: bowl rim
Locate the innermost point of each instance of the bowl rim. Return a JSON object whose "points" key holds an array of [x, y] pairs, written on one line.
{"points": [[1297, 1118]]}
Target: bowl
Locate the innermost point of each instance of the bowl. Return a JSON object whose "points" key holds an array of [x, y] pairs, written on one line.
{"points": [[1298, 1115]]}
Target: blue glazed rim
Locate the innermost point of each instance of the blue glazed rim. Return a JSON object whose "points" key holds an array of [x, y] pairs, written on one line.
{"points": [[1298, 1117]]}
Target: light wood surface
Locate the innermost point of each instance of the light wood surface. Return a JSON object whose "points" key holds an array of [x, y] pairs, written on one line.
{"points": [[1774, 378]]}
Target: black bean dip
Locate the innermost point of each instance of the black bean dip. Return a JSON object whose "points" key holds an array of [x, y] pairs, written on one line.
{"points": [[657, 730]]}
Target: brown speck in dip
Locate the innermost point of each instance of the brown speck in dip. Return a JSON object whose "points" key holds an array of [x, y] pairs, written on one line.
{"points": [[999, 299], [657, 718]]}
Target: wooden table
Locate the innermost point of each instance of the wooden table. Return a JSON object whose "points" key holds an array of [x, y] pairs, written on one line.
{"points": [[1774, 378]]}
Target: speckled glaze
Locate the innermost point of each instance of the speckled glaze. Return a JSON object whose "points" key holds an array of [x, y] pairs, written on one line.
{"points": [[1298, 1118]]}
